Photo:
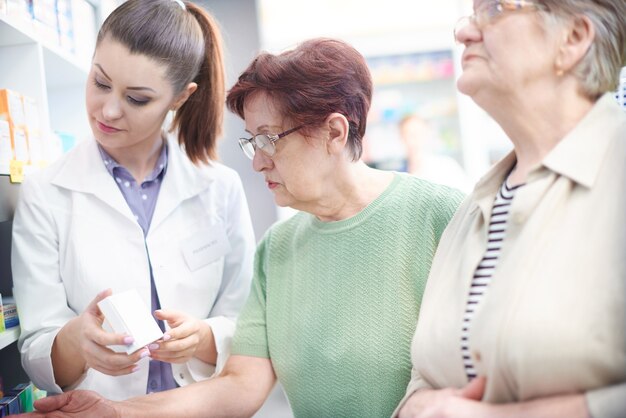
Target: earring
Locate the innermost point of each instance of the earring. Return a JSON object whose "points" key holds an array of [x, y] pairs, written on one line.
{"points": [[559, 67]]}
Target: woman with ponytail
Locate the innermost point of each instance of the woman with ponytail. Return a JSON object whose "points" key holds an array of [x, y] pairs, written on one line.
{"points": [[139, 207]]}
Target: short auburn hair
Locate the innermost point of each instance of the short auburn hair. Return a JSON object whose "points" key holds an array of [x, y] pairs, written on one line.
{"points": [[319, 77]]}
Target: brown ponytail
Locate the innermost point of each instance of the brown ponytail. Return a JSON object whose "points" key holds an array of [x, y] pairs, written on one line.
{"points": [[199, 120]]}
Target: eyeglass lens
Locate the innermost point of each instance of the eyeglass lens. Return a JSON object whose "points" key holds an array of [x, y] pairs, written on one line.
{"points": [[263, 142]]}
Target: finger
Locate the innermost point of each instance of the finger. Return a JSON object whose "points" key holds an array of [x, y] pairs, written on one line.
{"points": [[52, 403], [173, 318], [123, 360], [474, 389], [182, 331], [93, 305], [117, 366], [106, 359], [169, 355], [176, 346], [94, 332], [179, 357], [117, 372]]}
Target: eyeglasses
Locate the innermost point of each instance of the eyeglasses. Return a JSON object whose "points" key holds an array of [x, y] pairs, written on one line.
{"points": [[264, 142], [489, 11]]}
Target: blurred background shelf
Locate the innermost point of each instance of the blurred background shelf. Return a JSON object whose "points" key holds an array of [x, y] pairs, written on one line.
{"points": [[9, 336]]}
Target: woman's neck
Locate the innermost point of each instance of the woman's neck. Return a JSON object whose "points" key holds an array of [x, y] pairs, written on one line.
{"points": [[535, 127], [139, 159], [355, 187]]}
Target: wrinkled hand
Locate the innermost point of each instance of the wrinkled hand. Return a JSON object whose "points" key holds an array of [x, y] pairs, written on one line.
{"points": [[188, 337], [447, 403], [76, 403], [93, 342]]}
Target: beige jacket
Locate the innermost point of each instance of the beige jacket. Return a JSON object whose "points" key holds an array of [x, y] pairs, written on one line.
{"points": [[553, 319]]}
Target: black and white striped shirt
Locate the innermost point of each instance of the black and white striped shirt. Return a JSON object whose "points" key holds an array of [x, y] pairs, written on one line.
{"points": [[484, 271]]}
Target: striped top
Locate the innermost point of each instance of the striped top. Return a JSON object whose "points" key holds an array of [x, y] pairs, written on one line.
{"points": [[486, 267]]}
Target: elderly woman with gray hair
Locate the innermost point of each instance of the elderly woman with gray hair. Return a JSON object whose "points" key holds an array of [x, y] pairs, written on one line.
{"points": [[531, 269]]}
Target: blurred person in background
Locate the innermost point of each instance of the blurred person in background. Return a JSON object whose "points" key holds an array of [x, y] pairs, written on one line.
{"points": [[420, 141], [337, 287], [531, 270]]}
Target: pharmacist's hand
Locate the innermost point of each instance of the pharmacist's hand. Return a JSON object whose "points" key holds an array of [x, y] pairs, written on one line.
{"points": [[93, 342], [188, 337], [448, 403], [75, 403]]}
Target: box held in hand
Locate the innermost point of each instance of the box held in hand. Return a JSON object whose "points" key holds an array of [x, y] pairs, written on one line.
{"points": [[126, 313]]}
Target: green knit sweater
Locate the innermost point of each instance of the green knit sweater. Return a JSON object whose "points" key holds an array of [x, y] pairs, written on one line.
{"points": [[334, 304]]}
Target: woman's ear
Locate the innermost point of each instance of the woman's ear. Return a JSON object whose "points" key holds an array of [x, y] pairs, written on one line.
{"points": [[183, 96], [338, 129], [578, 37]]}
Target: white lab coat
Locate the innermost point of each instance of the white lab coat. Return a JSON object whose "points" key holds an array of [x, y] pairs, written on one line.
{"points": [[74, 236]]}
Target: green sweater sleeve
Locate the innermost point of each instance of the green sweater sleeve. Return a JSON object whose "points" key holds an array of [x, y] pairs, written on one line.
{"points": [[251, 335]]}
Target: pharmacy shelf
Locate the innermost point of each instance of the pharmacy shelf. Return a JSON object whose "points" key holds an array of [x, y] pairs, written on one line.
{"points": [[18, 31], [9, 336], [36, 66]]}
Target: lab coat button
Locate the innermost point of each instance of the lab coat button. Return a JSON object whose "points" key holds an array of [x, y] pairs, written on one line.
{"points": [[181, 376]]}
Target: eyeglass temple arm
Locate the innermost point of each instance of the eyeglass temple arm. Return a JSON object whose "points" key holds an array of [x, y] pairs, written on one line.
{"points": [[288, 132]]}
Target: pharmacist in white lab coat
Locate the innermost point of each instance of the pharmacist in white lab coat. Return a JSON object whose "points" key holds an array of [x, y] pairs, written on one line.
{"points": [[131, 210]]}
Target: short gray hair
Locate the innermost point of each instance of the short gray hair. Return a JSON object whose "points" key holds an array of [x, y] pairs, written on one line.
{"points": [[599, 70]]}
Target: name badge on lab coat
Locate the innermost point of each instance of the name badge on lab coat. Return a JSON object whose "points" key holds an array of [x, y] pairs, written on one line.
{"points": [[206, 246]]}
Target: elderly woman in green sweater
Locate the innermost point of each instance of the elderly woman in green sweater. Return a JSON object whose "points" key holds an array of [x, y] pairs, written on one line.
{"points": [[337, 287]]}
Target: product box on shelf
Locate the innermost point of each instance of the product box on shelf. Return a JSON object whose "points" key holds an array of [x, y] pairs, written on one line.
{"points": [[9, 405], [11, 319], [84, 22], [31, 113], [9, 310], [38, 393], [45, 19], [2, 327], [33, 131], [45, 12], [17, 400], [12, 111], [36, 149], [6, 147], [65, 24], [24, 393], [20, 9], [20, 144], [12, 107]]}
